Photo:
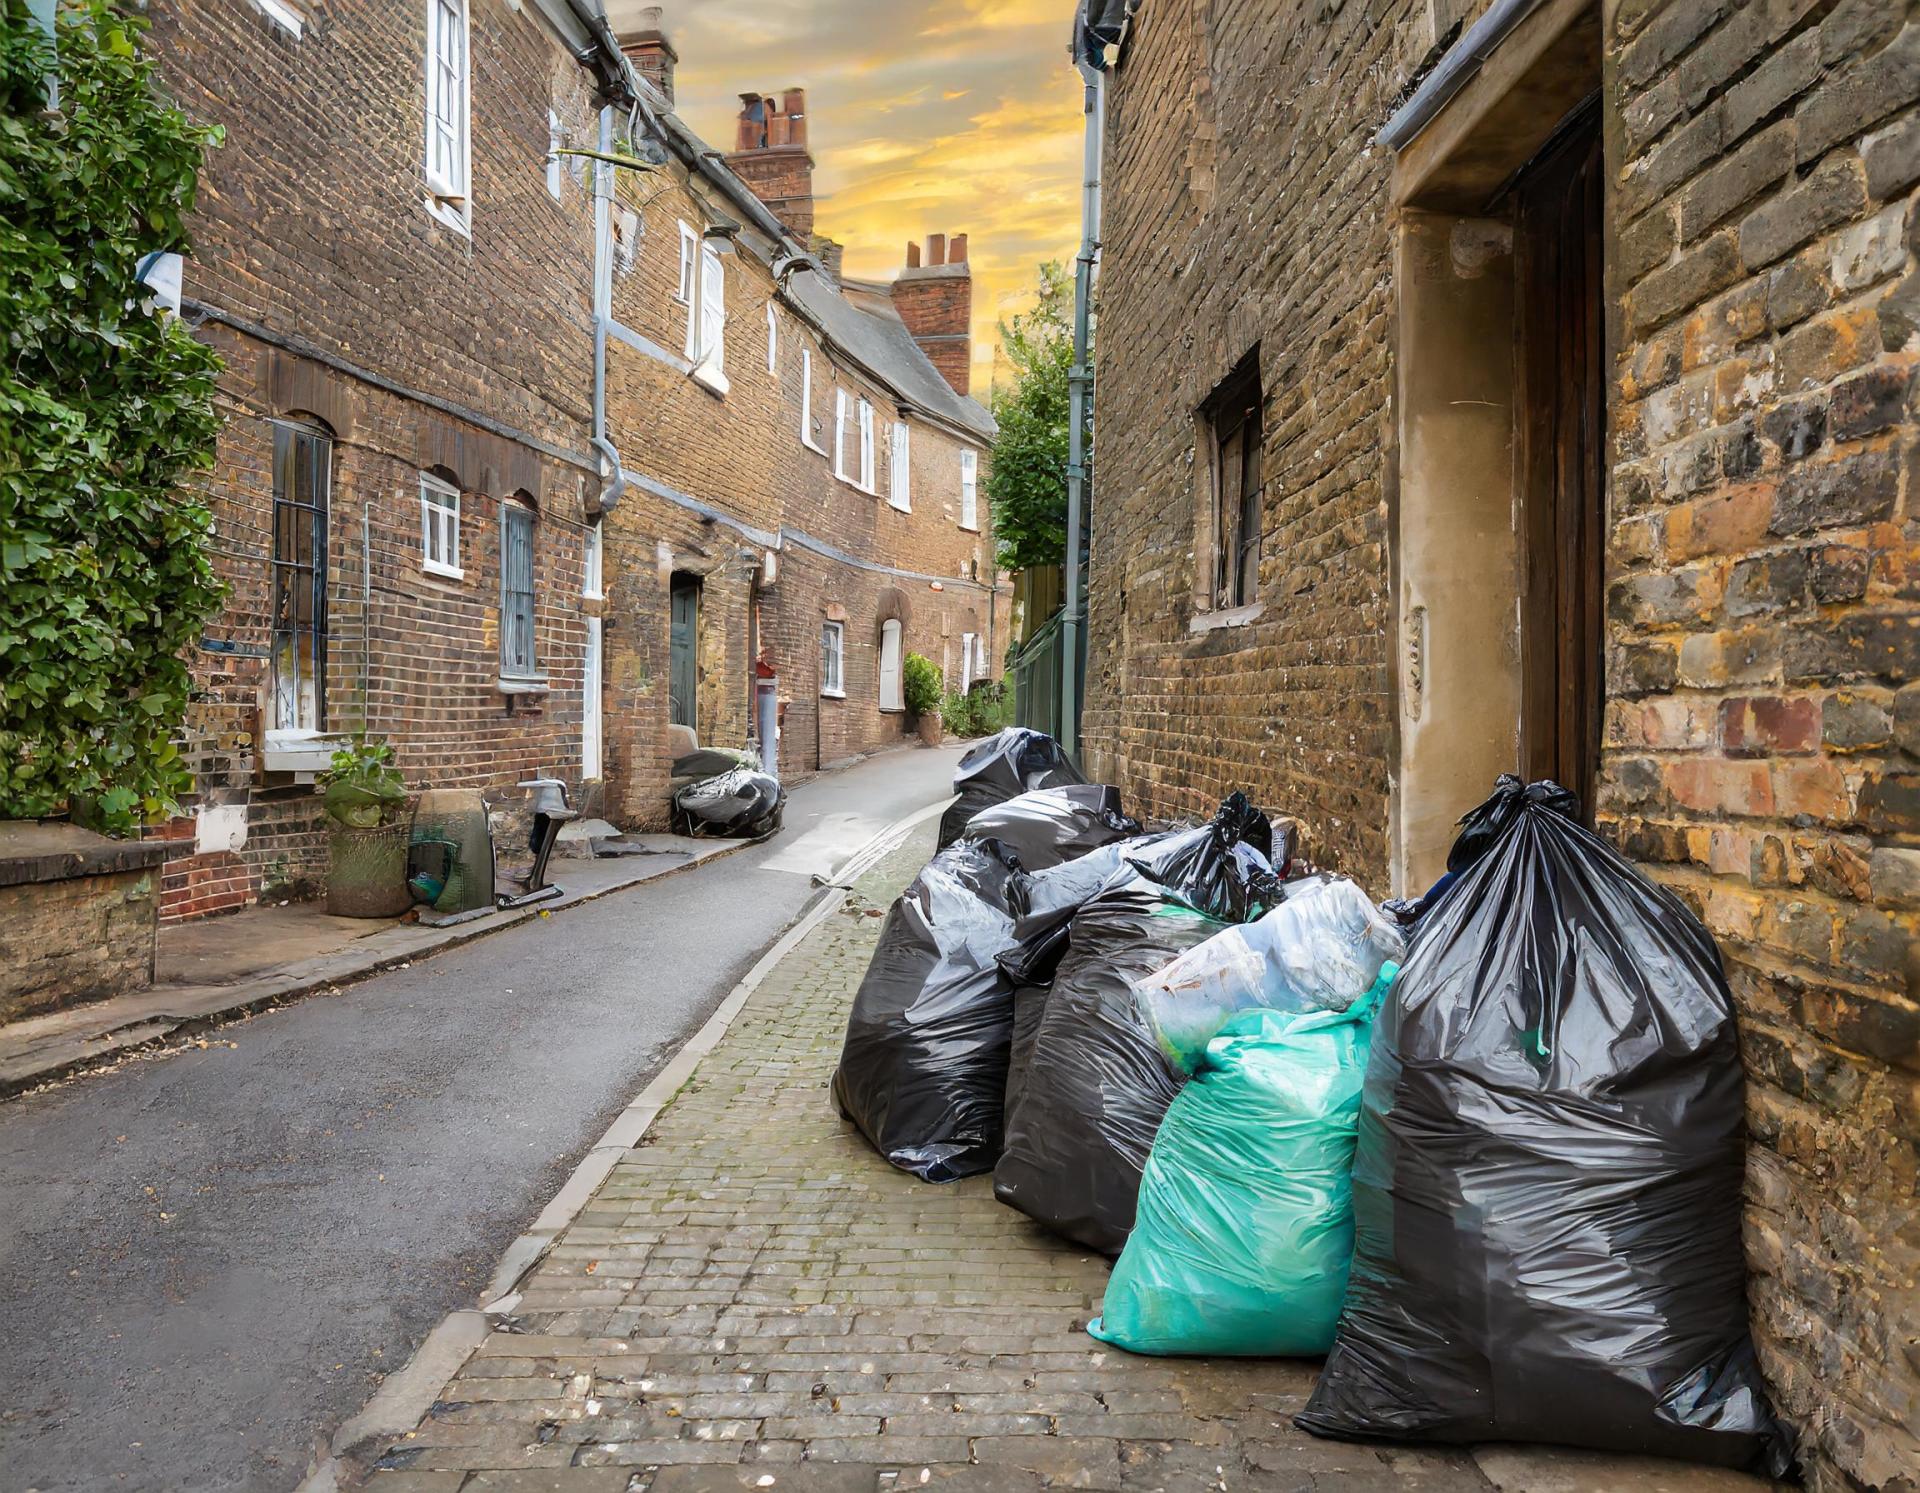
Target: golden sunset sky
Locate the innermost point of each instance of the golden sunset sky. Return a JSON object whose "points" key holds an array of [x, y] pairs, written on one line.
{"points": [[957, 118]]}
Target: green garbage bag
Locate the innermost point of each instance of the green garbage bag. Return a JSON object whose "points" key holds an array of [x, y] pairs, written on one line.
{"points": [[1245, 1225]]}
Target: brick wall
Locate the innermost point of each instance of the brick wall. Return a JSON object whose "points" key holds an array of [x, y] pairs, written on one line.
{"points": [[742, 454], [1761, 720], [1244, 208], [335, 297], [1760, 741]]}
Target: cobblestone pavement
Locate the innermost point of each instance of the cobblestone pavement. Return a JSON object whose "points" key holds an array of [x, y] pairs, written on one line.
{"points": [[754, 1300]]}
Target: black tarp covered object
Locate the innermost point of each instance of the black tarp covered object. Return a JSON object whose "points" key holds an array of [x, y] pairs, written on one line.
{"points": [[1016, 760], [1049, 826], [1547, 1186], [923, 1070], [1085, 1103], [743, 802]]}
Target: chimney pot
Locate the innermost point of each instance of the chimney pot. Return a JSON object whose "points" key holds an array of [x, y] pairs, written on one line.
{"points": [[938, 309], [770, 155], [652, 54]]}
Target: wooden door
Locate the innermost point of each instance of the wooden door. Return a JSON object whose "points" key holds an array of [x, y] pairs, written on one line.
{"points": [[1562, 431], [683, 676]]}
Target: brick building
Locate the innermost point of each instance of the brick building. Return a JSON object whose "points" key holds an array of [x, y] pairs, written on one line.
{"points": [[1530, 385], [419, 501]]}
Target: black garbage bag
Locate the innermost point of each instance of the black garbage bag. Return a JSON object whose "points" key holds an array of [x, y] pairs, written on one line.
{"points": [[1016, 760], [1547, 1187], [1049, 826], [923, 1070], [1086, 1101], [742, 803]]}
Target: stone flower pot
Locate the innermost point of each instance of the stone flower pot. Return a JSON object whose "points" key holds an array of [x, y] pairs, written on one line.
{"points": [[931, 728], [368, 875]]}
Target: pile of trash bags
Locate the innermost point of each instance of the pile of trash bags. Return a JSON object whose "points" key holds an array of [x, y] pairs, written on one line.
{"points": [[1482, 1148]]}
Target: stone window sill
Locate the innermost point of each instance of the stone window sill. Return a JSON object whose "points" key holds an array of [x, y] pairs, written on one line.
{"points": [[1226, 617], [833, 694], [523, 686]]}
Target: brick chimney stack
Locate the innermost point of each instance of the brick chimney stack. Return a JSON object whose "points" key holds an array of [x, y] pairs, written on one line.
{"points": [[770, 154], [934, 297], [650, 51]]}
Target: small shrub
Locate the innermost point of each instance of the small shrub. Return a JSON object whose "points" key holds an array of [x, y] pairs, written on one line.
{"points": [[920, 682], [984, 709], [363, 788]]}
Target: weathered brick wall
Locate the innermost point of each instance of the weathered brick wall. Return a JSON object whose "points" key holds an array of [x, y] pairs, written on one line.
{"points": [[742, 454], [1245, 206], [313, 236], [1761, 735], [80, 939], [1762, 723]]}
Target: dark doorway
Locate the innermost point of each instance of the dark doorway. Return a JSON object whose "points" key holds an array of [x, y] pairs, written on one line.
{"points": [[683, 669], [1562, 432]]}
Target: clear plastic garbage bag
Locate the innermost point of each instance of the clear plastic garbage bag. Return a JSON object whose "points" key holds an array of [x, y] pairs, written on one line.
{"points": [[1319, 950]]}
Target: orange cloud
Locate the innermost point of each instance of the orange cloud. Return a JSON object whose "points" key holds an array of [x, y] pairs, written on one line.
{"points": [[923, 118]]}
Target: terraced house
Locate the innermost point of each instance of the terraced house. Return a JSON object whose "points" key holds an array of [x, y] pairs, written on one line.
{"points": [[1529, 385], [528, 455]]}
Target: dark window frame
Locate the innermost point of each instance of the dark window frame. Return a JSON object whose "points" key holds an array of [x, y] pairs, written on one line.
{"points": [[302, 500], [1233, 419]]}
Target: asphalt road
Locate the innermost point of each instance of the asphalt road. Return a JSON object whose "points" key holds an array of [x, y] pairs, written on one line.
{"points": [[209, 1260]]}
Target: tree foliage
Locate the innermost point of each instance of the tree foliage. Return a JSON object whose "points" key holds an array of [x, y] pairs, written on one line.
{"points": [[1028, 483], [104, 409], [921, 678]]}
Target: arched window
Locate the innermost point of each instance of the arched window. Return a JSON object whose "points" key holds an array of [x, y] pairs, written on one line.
{"points": [[890, 695]]}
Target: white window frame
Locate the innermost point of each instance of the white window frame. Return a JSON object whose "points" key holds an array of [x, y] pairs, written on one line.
{"points": [[867, 474], [833, 664], [773, 342], [556, 137], [707, 321], [969, 489], [689, 252], [840, 434], [592, 577], [892, 666], [966, 662], [440, 527], [806, 402], [449, 151], [982, 669], [900, 470], [282, 14]]}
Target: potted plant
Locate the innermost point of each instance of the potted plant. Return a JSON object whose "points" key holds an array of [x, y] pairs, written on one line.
{"points": [[366, 803], [920, 684]]}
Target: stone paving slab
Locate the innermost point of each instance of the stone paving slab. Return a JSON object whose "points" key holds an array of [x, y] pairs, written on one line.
{"points": [[754, 1300]]}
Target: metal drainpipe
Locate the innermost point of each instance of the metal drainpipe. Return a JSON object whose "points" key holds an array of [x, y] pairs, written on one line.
{"points": [[602, 281], [1079, 400]]}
